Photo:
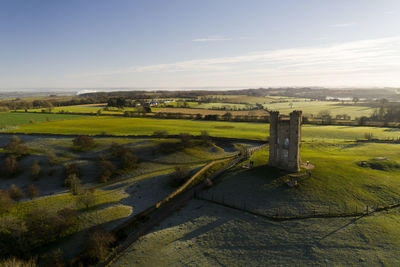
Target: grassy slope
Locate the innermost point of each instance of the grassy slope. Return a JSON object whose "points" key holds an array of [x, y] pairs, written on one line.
{"points": [[208, 234], [337, 183], [146, 126], [204, 234]]}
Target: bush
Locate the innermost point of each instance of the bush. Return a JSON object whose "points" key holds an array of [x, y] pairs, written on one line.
{"points": [[16, 193], [13, 233], [35, 170], [51, 158], [83, 142], [11, 165], [98, 245], [127, 159], [5, 201], [66, 219], [14, 262], [186, 140], [73, 183], [86, 198], [70, 169], [53, 258], [180, 176], [107, 169], [16, 147], [160, 134], [205, 139], [369, 136], [168, 147], [32, 191]]}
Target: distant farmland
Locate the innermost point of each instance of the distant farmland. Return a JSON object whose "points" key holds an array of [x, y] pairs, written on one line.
{"points": [[147, 126], [15, 119]]}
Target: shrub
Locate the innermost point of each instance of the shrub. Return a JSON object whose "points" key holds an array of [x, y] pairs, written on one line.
{"points": [[11, 165], [160, 134], [127, 159], [180, 176], [32, 191], [13, 240], [71, 169], [186, 140], [67, 219], [53, 258], [16, 147], [168, 147], [35, 170], [98, 246], [107, 169], [16, 193], [83, 142], [86, 198], [51, 158], [73, 183], [205, 139], [5, 201], [369, 136], [15, 262]]}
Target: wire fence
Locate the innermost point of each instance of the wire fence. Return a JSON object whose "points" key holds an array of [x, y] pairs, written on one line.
{"points": [[281, 213]]}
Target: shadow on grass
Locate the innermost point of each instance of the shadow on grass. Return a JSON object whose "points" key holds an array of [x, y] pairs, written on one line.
{"points": [[342, 227]]}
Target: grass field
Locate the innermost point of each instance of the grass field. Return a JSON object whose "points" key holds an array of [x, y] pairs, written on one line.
{"points": [[314, 107], [14, 119], [146, 126], [203, 112], [89, 108], [205, 233], [231, 103], [337, 184]]}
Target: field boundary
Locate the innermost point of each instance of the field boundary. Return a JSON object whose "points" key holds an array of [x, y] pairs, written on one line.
{"points": [[171, 136], [313, 215]]}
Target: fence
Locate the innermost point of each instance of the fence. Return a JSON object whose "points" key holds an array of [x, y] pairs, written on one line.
{"points": [[281, 214]]}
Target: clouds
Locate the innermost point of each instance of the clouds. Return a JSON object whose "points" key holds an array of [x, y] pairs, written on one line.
{"points": [[212, 38], [374, 62], [343, 25]]}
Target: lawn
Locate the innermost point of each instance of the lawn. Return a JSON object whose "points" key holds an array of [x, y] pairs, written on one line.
{"points": [[147, 126]]}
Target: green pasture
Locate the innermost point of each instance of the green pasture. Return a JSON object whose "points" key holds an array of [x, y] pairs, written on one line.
{"points": [[211, 234], [206, 234], [226, 106], [314, 107], [147, 126], [14, 119], [337, 182], [83, 109]]}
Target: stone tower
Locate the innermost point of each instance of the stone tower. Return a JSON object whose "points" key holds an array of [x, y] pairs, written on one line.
{"points": [[284, 140]]}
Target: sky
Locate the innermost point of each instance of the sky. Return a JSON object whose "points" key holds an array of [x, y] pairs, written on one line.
{"points": [[175, 44]]}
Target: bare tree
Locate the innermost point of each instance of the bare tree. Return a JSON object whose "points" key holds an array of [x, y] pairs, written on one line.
{"points": [[32, 191], [35, 170], [16, 193]]}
